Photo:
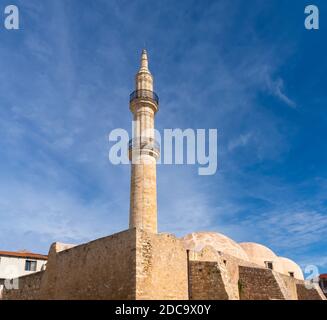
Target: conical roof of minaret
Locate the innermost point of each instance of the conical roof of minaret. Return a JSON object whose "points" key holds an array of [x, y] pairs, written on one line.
{"points": [[144, 62]]}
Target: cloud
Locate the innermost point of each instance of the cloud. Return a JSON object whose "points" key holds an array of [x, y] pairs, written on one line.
{"points": [[317, 260], [52, 215], [276, 87], [290, 229], [241, 141]]}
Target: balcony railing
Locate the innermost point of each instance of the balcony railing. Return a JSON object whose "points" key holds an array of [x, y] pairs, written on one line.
{"points": [[147, 94]]}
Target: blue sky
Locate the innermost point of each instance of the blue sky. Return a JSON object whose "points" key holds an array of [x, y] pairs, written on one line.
{"points": [[248, 68]]}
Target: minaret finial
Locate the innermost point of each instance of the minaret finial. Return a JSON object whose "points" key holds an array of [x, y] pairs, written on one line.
{"points": [[144, 61]]}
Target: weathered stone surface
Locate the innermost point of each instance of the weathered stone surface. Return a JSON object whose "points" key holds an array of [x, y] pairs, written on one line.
{"points": [[205, 281], [143, 201], [101, 269], [161, 267], [136, 264], [313, 293], [258, 284], [143, 198], [290, 284], [29, 288]]}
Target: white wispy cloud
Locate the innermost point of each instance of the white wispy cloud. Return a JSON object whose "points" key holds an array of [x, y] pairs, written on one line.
{"points": [[276, 87], [290, 229], [320, 261], [240, 141], [53, 215]]}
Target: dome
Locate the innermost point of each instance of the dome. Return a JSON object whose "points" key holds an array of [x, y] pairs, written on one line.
{"points": [[262, 255], [290, 266], [198, 240]]}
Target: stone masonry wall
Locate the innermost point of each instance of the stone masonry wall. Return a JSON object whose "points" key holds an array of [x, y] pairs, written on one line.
{"points": [[136, 264], [304, 293], [231, 266], [101, 269], [205, 281], [290, 285], [29, 288], [258, 284], [161, 267], [228, 267], [208, 254]]}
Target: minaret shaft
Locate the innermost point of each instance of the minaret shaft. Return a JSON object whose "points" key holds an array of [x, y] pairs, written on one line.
{"points": [[143, 152]]}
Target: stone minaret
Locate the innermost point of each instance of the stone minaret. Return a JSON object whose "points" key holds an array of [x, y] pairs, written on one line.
{"points": [[143, 151]]}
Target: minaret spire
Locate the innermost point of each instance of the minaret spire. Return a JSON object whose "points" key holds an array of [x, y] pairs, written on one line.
{"points": [[144, 62], [144, 79], [143, 151]]}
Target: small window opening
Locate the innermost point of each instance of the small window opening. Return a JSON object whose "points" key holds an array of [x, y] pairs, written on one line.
{"points": [[269, 265]]}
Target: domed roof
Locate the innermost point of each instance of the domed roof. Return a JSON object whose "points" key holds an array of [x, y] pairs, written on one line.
{"points": [[198, 240], [260, 254], [290, 266]]}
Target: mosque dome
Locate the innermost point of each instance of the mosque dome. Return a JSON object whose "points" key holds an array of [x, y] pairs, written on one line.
{"points": [[290, 267], [262, 256], [198, 240]]}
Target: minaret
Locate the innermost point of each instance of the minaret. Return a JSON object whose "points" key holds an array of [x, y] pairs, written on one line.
{"points": [[143, 151]]}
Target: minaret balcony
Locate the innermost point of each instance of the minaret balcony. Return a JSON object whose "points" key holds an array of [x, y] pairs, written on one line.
{"points": [[144, 145], [144, 94]]}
